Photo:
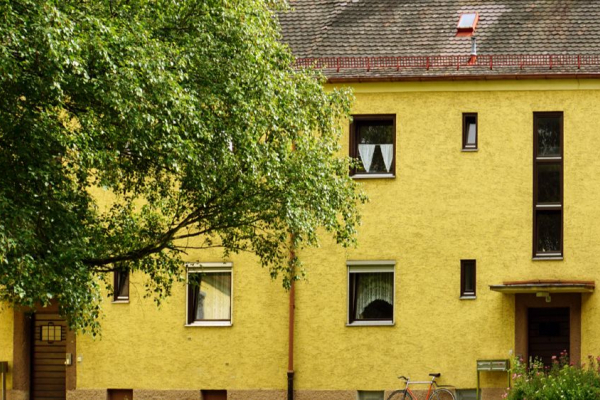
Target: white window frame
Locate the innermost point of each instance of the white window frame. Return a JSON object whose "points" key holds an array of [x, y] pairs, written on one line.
{"points": [[370, 266], [208, 268]]}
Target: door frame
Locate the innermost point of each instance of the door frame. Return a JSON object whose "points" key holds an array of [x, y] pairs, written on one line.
{"points": [[22, 350], [523, 302]]}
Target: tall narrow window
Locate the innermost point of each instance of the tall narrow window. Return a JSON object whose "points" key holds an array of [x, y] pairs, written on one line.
{"points": [[209, 294], [548, 184], [469, 136], [468, 282], [121, 285], [373, 144]]}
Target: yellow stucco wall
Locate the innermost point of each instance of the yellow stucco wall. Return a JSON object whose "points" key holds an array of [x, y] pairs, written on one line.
{"points": [[145, 347], [443, 206], [6, 339]]}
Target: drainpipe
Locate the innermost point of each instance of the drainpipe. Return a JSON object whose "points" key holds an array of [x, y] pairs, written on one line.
{"points": [[290, 372]]}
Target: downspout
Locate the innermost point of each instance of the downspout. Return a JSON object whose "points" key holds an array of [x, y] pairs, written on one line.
{"points": [[292, 305]]}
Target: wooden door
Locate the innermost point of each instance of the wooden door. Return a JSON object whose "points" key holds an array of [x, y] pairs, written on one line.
{"points": [[48, 369], [549, 333]]}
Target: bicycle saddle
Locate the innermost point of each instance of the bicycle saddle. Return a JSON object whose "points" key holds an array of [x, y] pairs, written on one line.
{"points": [[436, 375]]}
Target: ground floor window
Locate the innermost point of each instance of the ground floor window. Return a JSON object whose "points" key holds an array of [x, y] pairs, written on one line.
{"points": [[209, 290], [371, 292]]}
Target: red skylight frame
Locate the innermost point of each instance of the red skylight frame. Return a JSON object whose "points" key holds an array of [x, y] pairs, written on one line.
{"points": [[466, 28]]}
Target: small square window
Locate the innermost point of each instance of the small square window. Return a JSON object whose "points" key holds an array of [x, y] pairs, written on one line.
{"points": [[370, 395], [373, 144], [371, 293], [469, 134], [121, 285], [209, 294], [468, 281], [214, 394]]}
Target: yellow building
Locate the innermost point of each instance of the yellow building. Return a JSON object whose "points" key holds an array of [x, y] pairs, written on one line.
{"points": [[478, 243]]}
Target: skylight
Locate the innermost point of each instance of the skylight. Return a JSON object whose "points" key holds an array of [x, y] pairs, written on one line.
{"points": [[466, 24]]}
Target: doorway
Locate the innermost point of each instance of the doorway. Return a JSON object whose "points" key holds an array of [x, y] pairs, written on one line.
{"points": [[544, 329], [48, 355], [548, 333]]}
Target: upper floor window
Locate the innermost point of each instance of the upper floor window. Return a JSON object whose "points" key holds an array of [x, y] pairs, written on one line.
{"points": [[121, 285], [370, 292], [373, 143], [209, 294], [469, 134], [548, 184]]}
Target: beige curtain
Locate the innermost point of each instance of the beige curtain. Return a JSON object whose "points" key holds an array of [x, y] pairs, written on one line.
{"points": [[214, 297]]}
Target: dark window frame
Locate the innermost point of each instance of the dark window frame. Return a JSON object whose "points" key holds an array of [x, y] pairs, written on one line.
{"points": [[464, 264], [465, 132], [191, 296], [121, 283], [539, 208], [360, 119]]}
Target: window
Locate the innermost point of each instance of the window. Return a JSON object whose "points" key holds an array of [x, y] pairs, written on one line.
{"points": [[548, 184], [371, 292], [121, 285], [468, 281], [467, 24], [209, 294], [214, 394], [370, 395], [469, 136], [373, 143]]}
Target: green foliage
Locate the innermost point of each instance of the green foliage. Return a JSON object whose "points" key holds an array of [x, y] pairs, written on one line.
{"points": [[188, 115], [558, 382]]}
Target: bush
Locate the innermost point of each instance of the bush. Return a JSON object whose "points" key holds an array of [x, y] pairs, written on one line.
{"points": [[562, 380]]}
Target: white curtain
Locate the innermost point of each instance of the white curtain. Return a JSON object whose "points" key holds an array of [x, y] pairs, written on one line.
{"points": [[371, 287], [214, 299], [387, 151], [471, 135], [366, 154]]}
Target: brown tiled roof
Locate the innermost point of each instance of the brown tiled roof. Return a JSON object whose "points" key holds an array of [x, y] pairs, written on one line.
{"points": [[375, 28]]}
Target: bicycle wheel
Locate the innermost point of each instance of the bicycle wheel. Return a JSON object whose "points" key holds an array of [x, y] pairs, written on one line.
{"points": [[442, 394], [400, 395]]}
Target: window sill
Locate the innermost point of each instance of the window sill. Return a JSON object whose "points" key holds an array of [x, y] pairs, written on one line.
{"points": [[468, 297], [371, 323], [120, 301], [549, 258], [373, 176], [469, 150], [209, 323]]}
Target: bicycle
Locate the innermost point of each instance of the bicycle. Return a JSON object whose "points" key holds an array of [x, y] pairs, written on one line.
{"points": [[435, 392]]}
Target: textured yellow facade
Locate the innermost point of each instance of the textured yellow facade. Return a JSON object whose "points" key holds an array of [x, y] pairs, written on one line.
{"points": [[143, 347], [445, 205], [442, 206], [6, 339]]}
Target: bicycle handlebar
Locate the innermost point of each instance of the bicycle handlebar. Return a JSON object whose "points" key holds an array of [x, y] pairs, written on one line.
{"points": [[403, 377]]}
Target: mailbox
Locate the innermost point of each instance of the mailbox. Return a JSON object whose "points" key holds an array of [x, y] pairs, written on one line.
{"points": [[492, 366], [3, 367]]}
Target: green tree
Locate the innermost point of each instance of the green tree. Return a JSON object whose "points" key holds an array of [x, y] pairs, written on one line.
{"points": [[189, 113]]}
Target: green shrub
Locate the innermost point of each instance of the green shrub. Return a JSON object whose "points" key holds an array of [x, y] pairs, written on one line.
{"points": [[560, 381]]}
